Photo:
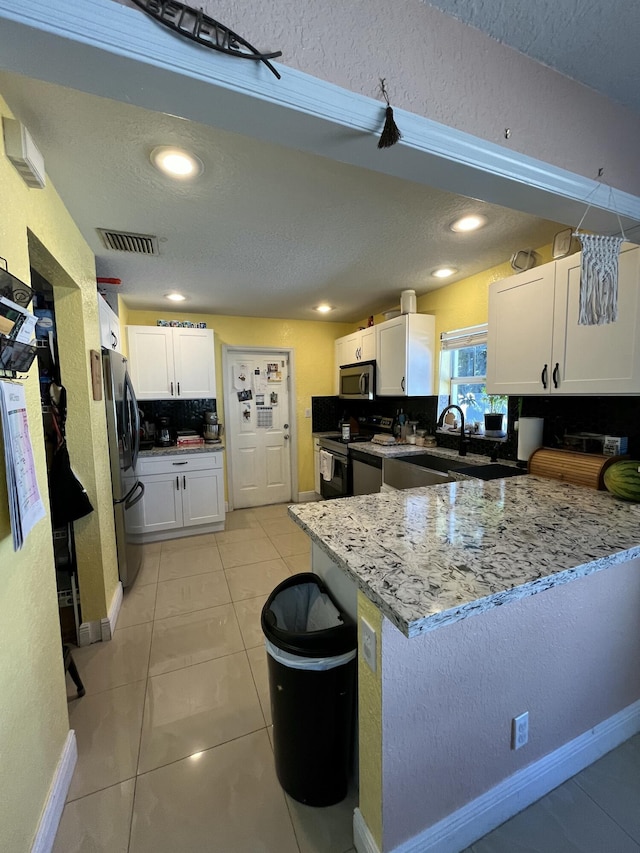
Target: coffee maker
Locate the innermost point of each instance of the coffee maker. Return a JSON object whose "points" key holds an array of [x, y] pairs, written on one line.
{"points": [[163, 433], [212, 428]]}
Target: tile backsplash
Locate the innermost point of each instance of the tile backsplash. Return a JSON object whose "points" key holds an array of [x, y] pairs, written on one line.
{"points": [[562, 415], [183, 414]]}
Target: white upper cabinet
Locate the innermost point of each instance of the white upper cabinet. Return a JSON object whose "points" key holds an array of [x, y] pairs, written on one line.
{"points": [[169, 363], [536, 346], [109, 326], [350, 349], [405, 348]]}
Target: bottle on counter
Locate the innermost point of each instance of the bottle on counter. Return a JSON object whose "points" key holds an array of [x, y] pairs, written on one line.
{"points": [[345, 427]]}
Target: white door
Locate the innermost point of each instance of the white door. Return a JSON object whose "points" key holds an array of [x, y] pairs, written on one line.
{"points": [[258, 427]]}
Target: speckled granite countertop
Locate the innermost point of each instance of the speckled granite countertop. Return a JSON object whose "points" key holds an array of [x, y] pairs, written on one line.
{"points": [[432, 556], [179, 451]]}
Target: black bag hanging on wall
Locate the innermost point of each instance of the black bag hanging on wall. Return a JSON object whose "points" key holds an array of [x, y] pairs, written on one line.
{"points": [[69, 500], [68, 497]]}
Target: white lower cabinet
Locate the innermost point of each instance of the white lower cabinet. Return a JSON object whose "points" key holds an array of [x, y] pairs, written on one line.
{"points": [[182, 493]]}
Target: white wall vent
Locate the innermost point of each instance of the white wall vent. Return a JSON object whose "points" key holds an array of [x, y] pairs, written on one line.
{"points": [[23, 153], [125, 241]]}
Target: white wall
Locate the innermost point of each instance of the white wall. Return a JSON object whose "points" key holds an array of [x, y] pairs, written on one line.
{"points": [[569, 656], [440, 68]]}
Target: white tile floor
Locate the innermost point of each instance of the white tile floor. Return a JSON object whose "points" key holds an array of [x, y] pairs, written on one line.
{"points": [[173, 733]]}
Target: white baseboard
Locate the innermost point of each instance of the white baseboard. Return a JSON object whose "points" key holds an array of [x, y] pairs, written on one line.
{"points": [[90, 632], [362, 838], [305, 497], [108, 624], [475, 819], [52, 812]]}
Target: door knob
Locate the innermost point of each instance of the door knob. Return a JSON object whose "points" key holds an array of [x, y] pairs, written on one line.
{"points": [[286, 438], [286, 426]]}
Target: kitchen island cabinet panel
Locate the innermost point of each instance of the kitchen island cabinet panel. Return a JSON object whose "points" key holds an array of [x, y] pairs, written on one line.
{"points": [[536, 345]]}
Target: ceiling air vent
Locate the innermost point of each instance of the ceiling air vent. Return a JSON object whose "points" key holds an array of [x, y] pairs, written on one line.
{"points": [[124, 241]]}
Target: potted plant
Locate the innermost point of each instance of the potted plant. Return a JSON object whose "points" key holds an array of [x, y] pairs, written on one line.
{"points": [[494, 417]]}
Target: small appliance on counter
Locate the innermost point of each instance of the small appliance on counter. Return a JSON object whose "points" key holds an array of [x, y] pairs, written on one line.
{"points": [[212, 428], [163, 433]]}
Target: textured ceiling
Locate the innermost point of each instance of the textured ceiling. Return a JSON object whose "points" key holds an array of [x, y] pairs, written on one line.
{"points": [[591, 41], [266, 231]]}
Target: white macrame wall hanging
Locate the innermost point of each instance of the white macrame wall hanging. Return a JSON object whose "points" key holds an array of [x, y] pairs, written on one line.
{"points": [[599, 275]]}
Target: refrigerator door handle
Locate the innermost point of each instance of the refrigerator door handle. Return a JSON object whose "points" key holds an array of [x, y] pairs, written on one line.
{"points": [[133, 423], [127, 498], [132, 501]]}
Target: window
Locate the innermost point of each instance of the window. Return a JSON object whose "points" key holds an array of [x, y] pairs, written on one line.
{"points": [[463, 374]]}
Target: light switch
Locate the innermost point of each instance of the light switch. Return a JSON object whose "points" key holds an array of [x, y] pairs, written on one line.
{"points": [[368, 643]]}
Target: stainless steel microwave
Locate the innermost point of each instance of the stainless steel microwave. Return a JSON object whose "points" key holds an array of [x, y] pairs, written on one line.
{"points": [[358, 381]]}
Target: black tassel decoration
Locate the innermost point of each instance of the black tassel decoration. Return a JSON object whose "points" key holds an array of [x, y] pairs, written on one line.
{"points": [[390, 133]]}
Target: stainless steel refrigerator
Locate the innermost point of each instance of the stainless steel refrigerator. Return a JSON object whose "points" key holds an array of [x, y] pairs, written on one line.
{"points": [[123, 428]]}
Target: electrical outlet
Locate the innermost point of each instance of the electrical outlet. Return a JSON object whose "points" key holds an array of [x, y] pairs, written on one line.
{"points": [[307, 413], [368, 644], [519, 730]]}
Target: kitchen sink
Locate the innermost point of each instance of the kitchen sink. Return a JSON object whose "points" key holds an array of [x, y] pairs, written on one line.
{"points": [[434, 463], [493, 471], [426, 469]]}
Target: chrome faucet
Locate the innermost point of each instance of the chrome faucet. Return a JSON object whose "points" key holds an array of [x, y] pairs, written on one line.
{"points": [[463, 441]]}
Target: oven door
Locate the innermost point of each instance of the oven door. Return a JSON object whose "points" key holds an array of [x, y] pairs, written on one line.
{"points": [[340, 485]]}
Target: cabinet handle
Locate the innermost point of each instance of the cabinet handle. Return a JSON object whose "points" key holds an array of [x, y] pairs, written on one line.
{"points": [[114, 345], [556, 371], [184, 482], [178, 389], [402, 383], [172, 389], [180, 463], [543, 376], [178, 484]]}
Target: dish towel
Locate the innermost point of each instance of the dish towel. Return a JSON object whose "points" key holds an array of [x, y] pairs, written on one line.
{"points": [[326, 465]]}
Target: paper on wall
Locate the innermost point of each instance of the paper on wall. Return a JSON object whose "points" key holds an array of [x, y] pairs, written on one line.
{"points": [[25, 504]]}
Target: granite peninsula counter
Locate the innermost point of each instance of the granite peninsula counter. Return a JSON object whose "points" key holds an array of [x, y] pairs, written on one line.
{"points": [[432, 556]]}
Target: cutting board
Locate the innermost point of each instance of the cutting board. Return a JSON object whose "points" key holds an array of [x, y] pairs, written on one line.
{"points": [[580, 469]]}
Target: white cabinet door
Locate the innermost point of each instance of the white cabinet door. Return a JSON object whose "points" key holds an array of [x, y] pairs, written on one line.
{"points": [[596, 359], [391, 373], [339, 360], [161, 506], [169, 363], [368, 345], [194, 361], [520, 333], [404, 355], [151, 362], [109, 326], [202, 497]]}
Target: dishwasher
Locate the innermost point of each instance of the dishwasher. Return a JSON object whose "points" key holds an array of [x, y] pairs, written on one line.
{"points": [[366, 472]]}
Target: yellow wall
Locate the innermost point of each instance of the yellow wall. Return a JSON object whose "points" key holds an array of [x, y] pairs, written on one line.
{"points": [[370, 726], [33, 716], [312, 341]]}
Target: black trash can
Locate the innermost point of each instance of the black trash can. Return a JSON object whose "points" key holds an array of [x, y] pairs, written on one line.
{"points": [[311, 652]]}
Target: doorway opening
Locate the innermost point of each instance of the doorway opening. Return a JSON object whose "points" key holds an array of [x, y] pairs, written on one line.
{"points": [[49, 370], [260, 426]]}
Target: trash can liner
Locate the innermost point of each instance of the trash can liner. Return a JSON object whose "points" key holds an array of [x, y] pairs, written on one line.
{"points": [[301, 618], [313, 664], [305, 608]]}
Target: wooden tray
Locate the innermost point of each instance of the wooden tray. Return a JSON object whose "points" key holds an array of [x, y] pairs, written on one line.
{"points": [[581, 469]]}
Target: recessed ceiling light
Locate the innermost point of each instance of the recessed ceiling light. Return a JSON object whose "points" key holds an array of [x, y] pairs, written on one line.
{"points": [[469, 223], [324, 308], [444, 272], [176, 297], [176, 163]]}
